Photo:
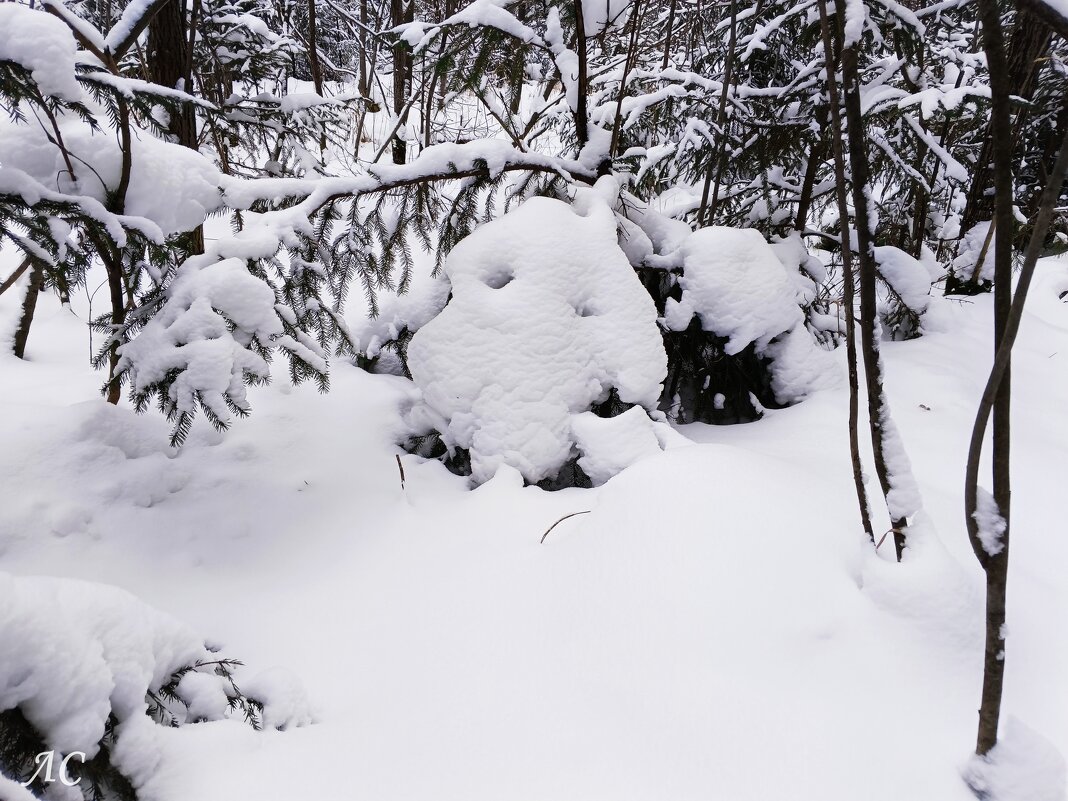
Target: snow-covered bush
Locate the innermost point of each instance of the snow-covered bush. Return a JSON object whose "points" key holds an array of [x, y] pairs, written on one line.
{"points": [[731, 314], [736, 331], [547, 323], [907, 288], [85, 667]]}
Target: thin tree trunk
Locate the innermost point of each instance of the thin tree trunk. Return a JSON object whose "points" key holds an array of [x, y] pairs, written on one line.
{"points": [[29, 305], [878, 408], [313, 50], [582, 122], [997, 395], [996, 565], [15, 276], [815, 158], [848, 292], [401, 12]]}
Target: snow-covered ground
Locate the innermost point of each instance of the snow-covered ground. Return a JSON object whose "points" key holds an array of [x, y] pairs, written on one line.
{"points": [[716, 627]]}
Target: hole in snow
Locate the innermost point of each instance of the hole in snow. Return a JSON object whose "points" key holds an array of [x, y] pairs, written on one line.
{"points": [[499, 280], [584, 311]]}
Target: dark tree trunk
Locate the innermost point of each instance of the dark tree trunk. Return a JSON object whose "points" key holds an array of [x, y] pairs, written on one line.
{"points": [[815, 159], [15, 276], [996, 565], [878, 409], [582, 121], [29, 305], [848, 290], [400, 13], [313, 50], [168, 60], [706, 212]]}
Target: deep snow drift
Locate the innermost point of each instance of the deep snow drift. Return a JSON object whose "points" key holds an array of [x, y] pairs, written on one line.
{"points": [[715, 627]]}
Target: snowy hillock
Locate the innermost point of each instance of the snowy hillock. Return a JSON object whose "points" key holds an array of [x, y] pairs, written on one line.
{"points": [[547, 323]]}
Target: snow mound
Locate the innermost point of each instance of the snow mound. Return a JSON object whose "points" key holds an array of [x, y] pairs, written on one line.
{"points": [[75, 652], [804, 270], [285, 702], [1023, 766], [547, 318], [737, 286], [609, 444], [42, 44]]}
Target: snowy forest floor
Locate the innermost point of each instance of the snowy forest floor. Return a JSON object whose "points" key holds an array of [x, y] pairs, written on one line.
{"points": [[716, 628]]}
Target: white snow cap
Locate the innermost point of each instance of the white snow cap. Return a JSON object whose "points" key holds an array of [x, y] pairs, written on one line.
{"points": [[42, 44], [546, 317], [737, 286], [907, 276]]}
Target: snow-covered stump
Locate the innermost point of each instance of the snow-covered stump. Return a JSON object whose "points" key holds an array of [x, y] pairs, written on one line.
{"points": [[547, 342]]}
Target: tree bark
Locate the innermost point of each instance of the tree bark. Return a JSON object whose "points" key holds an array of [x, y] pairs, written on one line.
{"points": [[401, 12], [313, 50], [168, 62], [816, 155], [582, 122], [706, 213]]}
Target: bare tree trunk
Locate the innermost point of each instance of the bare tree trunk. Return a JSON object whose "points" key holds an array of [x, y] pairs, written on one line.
{"points": [[632, 55], [582, 121], [168, 43], [848, 293], [170, 60], [997, 395], [996, 565], [15, 276], [878, 408], [313, 50], [401, 12], [29, 305], [815, 158]]}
